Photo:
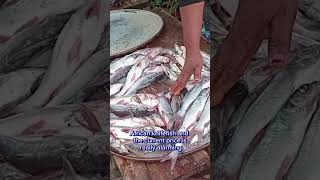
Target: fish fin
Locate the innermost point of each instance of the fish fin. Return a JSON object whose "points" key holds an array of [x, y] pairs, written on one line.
{"points": [[173, 156], [28, 23], [33, 128], [68, 170], [74, 53], [94, 10], [90, 118]]}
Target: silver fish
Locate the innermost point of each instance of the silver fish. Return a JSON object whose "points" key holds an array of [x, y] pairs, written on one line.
{"points": [[88, 71], [195, 111], [75, 44], [204, 120], [306, 163], [150, 75], [134, 74], [131, 122], [283, 137], [187, 101], [63, 120], [165, 111], [8, 172], [115, 88], [117, 145], [130, 109], [18, 49], [303, 69], [16, 86], [86, 154], [175, 103], [23, 13], [40, 60], [120, 68]]}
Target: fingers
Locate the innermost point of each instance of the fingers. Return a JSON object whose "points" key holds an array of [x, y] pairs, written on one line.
{"points": [[197, 74], [181, 83], [281, 28]]}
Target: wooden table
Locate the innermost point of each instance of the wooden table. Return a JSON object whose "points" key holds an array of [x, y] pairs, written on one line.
{"points": [[186, 166]]}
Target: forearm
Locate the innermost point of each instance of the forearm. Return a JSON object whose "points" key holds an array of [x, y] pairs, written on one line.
{"points": [[191, 19]]}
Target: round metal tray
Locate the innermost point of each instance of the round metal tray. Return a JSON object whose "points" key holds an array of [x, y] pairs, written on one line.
{"points": [[134, 158], [131, 29]]}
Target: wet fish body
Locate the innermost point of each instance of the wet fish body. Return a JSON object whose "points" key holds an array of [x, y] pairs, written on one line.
{"points": [[164, 109], [115, 88], [133, 75], [283, 137], [82, 77], [302, 70], [87, 155], [150, 76], [75, 44], [16, 86], [195, 111]]}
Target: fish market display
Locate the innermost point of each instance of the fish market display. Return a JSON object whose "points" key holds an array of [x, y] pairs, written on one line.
{"points": [[133, 109]]}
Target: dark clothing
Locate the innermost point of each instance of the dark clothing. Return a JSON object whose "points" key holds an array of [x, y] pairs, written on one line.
{"points": [[188, 2]]}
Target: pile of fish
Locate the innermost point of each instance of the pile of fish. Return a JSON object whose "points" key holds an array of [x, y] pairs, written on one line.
{"points": [[268, 132], [53, 59], [133, 109]]}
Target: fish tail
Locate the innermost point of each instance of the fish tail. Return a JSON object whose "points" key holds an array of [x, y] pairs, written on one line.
{"points": [[173, 156]]}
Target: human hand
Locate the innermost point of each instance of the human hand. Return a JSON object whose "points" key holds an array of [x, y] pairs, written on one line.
{"points": [[192, 66]]}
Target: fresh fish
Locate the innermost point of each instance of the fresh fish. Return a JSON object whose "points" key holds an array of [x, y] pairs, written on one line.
{"points": [[164, 109], [88, 71], [150, 75], [75, 44], [115, 88], [86, 154], [157, 120], [302, 70], [175, 103], [131, 122], [140, 98], [187, 101], [40, 60], [130, 109], [18, 49], [134, 74], [228, 114], [283, 137], [16, 86], [204, 120], [116, 145], [306, 163], [63, 120], [120, 68], [23, 13], [123, 134], [195, 111], [8, 172]]}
